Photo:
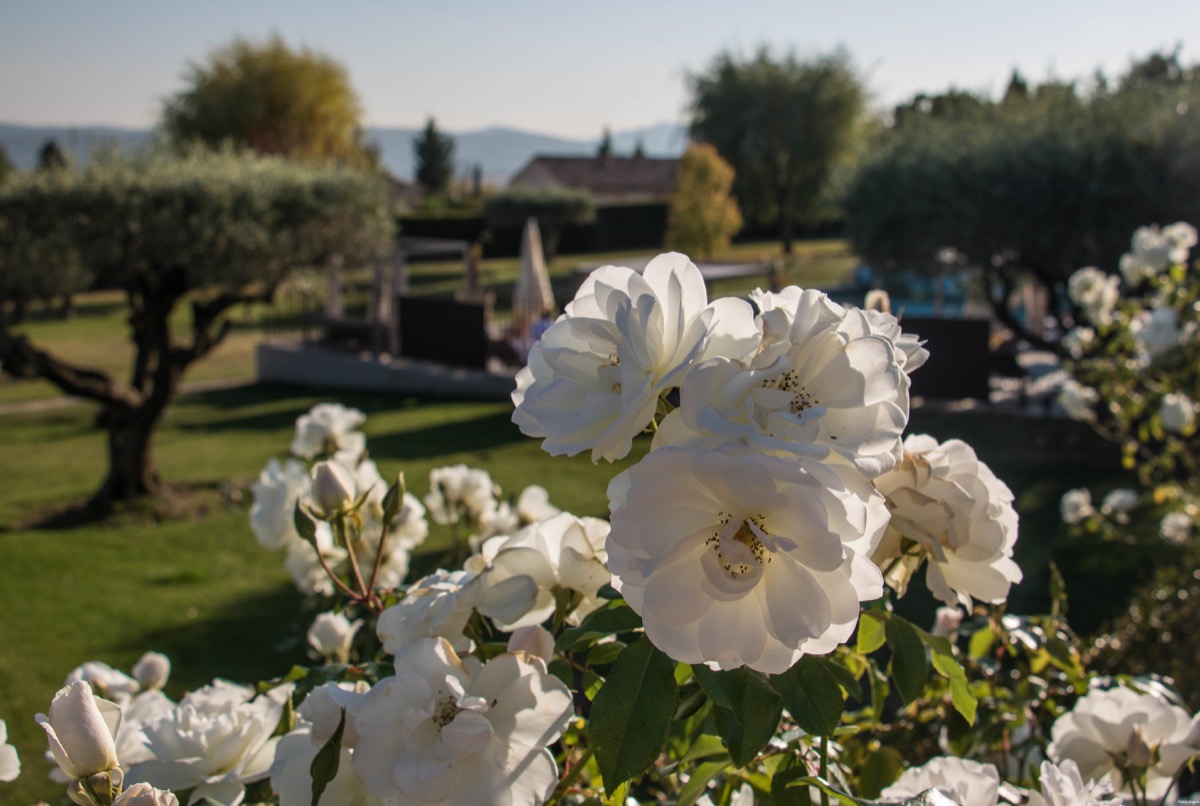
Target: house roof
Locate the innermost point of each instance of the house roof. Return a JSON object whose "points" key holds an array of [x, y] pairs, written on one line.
{"points": [[603, 177]]}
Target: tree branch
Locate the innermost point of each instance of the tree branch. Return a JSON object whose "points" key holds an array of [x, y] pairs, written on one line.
{"points": [[21, 359]]}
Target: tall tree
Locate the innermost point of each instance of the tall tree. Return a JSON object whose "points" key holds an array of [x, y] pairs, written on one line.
{"points": [[702, 217], [783, 125], [605, 150], [209, 230], [273, 100], [7, 169], [52, 157], [1031, 191], [433, 153]]}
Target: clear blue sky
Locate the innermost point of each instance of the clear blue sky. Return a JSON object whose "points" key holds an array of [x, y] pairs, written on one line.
{"points": [[554, 66]]}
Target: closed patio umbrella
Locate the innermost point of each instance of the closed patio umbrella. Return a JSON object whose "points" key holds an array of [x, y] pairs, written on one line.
{"points": [[532, 296]]}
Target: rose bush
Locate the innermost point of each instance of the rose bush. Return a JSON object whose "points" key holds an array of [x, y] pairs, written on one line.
{"points": [[727, 636]]}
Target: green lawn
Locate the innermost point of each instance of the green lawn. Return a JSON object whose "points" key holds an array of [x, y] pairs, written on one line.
{"points": [[202, 590]]}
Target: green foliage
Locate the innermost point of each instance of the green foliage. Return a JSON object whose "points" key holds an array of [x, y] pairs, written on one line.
{"points": [[553, 209], [271, 99], [746, 709], [7, 169], [783, 125], [216, 218], [702, 217], [433, 155], [632, 713], [985, 178]]}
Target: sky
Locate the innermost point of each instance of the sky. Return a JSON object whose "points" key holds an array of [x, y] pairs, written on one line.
{"points": [[556, 67]]}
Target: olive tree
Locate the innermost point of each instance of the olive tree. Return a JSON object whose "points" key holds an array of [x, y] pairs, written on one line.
{"points": [[207, 230], [1027, 190]]}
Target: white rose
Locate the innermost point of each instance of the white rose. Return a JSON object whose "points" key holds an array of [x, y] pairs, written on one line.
{"points": [[145, 795], [1119, 501], [1108, 729], [1178, 413], [1078, 401], [215, 740], [743, 560], [453, 731], [276, 492], [533, 640], [334, 487], [1076, 505], [950, 509], [1096, 293], [458, 492], [564, 554], [105, 681], [152, 670], [331, 635], [10, 762], [1175, 527], [825, 380], [594, 379], [327, 429], [1062, 785], [82, 730], [966, 782], [1156, 331]]}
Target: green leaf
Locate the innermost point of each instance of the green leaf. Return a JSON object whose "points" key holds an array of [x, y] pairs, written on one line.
{"points": [[747, 709], [791, 769], [910, 667], [304, 525], [812, 694], [631, 714], [871, 634], [324, 767], [948, 666], [699, 779], [981, 642], [617, 617]]}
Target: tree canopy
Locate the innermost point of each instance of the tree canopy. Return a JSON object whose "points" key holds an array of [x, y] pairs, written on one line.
{"points": [[783, 124], [702, 217], [212, 229], [1032, 187], [273, 100], [433, 155]]}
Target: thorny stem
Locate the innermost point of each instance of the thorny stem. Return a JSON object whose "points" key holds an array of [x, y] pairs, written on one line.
{"points": [[344, 534]]}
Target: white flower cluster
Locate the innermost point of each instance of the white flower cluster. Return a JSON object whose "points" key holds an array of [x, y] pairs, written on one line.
{"points": [[1118, 735], [347, 475], [746, 536]]}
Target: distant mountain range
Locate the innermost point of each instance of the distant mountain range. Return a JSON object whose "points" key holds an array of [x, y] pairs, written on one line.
{"points": [[500, 152]]}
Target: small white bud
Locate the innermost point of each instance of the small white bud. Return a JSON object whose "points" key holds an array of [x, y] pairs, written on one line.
{"points": [[334, 488], [152, 670]]}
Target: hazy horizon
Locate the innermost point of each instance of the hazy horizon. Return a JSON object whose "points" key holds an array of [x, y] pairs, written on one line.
{"points": [[538, 66]]}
